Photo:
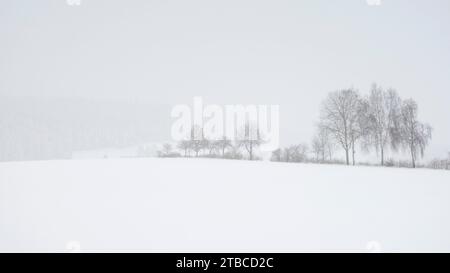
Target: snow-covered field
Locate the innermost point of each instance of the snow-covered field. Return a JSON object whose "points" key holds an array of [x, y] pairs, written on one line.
{"points": [[220, 205]]}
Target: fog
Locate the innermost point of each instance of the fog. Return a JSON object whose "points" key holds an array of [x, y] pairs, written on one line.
{"points": [[163, 53]]}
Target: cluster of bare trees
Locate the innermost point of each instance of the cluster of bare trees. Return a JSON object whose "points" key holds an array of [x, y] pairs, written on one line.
{"points": [[379, 121], [439, 163], [198, 145], [293, 153]]}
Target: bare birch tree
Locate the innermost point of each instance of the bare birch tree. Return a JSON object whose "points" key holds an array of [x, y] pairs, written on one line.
{"points": [[339, 115], [415, 135], [382, 119]]}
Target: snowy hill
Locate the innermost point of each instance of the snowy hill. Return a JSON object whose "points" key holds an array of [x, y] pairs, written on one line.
{"points": [[220, 205]]}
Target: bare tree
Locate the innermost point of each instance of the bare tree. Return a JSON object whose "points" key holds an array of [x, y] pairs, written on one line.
{"points": [[293, 153], [359, 126], [395, 116], [382, 117], [277, 155], [297, 153], [288, 154], [330, 148], [250, 138], [197, 141], [317, 149], [339, 115], [322, 144], [198, 145], [210, 146], [166, 151], [223, 144], [167, 148], [415, 135], [184, 145], [234, 152]]}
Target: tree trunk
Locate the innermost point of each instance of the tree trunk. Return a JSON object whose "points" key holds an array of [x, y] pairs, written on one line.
{"points": [[347, 160], [382, 156], [413, 157], [353, 150], [353, 155]]}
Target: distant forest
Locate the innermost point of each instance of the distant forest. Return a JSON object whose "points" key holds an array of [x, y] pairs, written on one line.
{"points": [[42, 128]]}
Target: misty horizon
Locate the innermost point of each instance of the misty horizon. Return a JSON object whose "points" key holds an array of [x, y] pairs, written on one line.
{"points": [[236, 52]]}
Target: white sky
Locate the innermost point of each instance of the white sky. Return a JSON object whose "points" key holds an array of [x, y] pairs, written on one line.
{"points": [[290, 53]]}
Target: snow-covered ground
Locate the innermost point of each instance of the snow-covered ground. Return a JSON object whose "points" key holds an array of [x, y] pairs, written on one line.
{"points": [[220, 205]]}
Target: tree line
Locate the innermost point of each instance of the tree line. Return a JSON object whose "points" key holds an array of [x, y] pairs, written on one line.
{"points": [[197, 145], [379, 121]]}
